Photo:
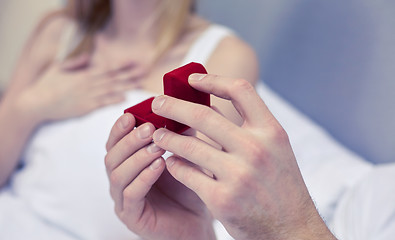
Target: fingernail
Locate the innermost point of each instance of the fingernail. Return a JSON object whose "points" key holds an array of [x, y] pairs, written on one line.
{"points": [[170, 162], [156, 164], [144, 131], [196, 76], [158, 135], [158, 102], [125, 122], [153, 148]]}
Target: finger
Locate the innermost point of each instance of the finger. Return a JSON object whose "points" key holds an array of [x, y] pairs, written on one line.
{"points": [[76, 63], [134, 195], [192, 149], [123, 66], [242, 94], [216, 127], [191, 177], [128, 145], [126, 172], [133, 74], [122, 126], [99, 73], [109, 86]]}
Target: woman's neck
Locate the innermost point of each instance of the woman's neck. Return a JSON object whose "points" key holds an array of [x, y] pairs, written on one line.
{"points": [[132, 20]]}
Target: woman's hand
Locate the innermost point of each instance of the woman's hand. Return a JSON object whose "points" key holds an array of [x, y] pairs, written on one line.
{"points": [[256, 190], [147, 198], [73, 89]]}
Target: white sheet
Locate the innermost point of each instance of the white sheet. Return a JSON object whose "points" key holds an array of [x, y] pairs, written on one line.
{"points": [[367, 211]]}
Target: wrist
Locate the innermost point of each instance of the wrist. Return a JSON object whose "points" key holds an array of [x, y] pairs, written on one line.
{"points": [[23, 110], [306, 224], [201, 229], [313, 227], [30, 107]]}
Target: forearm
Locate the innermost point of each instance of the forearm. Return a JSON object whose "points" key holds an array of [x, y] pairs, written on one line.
{"points": [[309, 227], [209, 231], [313, 229], [16, 126], [205, 231]]}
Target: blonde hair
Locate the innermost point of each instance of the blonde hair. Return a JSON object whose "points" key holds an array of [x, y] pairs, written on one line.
{"points": [[92, 15]]}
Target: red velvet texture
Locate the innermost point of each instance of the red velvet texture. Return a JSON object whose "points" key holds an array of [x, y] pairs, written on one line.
{"points": [[176, 85]]}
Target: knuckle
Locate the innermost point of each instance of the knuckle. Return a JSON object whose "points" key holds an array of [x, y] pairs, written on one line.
{"points": [[244, 179], [115, 194], [188, 177], [225, 201], [241, 86], [145, 178], [241, 175], [185, 174], [202, 113], [108, 147], [255, 150], [123, 216], [108, 162], [130, 139], [128, 195], [189, 147], [115, 178], [278, 135], [257, 153], [118, 212]]}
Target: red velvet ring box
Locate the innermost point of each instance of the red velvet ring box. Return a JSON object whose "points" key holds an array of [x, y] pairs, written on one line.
{"points": [[176, 85]]}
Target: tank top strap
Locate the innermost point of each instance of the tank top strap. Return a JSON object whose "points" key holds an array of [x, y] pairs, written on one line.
{"points": [[205, 45]]}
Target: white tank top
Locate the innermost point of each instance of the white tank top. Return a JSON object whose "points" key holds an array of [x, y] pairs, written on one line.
{"points": [[62, 192]]}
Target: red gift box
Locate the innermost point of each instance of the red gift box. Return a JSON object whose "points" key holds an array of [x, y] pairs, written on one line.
{"points": [[176, 85]]}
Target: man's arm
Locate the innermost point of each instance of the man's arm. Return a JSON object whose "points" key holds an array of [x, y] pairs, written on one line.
{"points": [[254, 187]]}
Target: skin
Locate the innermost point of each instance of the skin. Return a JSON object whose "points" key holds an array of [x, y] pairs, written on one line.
{"points": [[251, 182]]}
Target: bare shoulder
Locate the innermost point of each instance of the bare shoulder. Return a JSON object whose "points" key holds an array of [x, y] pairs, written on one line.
{"points": [[40, 49], [233, 57], [45, 38]]}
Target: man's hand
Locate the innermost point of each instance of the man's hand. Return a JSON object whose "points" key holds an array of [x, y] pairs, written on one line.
{"points": [[147, 198], [254, 186]]}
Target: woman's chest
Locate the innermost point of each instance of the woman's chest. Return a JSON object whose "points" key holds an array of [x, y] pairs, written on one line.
{"points": [[147, 68]]}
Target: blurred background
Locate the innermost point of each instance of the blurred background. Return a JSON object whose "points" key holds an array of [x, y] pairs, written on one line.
{"points": [[333, 60]]}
